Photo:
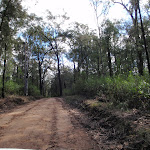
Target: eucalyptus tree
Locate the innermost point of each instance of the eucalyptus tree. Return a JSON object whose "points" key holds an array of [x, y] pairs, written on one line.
{"points": [[147, 8], [40, 53], [11, 19], [101, 9], [55, 36], [134, 10], [110, 33], [143, 35], [82, 52]]}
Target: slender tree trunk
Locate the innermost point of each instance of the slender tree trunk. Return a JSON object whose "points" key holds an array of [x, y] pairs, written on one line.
{"points": [[74, 72], [100, 58], [101, 61], [116, 62], [98, 62], [17, 72], [98, 65], [109, 63], [137, 38], [59, 77], [43, 88], [40, 78], [40, 74], [26, 72], [4, 70], [32, 78], [109, 60], [144, 39], [87, 68]]}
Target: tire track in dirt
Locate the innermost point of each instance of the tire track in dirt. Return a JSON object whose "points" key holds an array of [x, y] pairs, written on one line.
{"points": [[17, 115], [17, 127], [54, 137], [44, 125]]}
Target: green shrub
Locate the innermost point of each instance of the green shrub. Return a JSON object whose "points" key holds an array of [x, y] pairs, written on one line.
{"points": [[12, 87], [79, 87], [67, 92], [127, 91], [124, 91], [0, 88], [33, 90]]}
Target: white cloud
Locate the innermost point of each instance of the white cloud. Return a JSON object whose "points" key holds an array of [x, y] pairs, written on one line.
{"points": [[78, 10]]}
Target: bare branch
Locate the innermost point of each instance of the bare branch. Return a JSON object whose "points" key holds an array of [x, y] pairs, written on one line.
{"points": [[121, 3]]}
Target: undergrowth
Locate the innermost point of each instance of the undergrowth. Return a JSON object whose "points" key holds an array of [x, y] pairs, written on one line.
{"points": [[123, 91]]}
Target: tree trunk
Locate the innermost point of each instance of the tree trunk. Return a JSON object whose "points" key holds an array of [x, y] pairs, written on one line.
{"points": [[40, 74], [144, 39], [135, 23], [40, 78], [59, 77], [26, 72], [87, 68], [137, 38], [109, 63], [109, 60], [74, 72], [4, 70], [98, 63]]}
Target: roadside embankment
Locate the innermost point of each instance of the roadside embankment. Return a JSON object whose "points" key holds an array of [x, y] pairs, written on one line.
{"points": [[13, 101], [110, 127]]}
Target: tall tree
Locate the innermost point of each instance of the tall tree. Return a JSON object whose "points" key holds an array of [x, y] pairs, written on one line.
{"points": [[39, 51], [12, 18], [103, 6], [133, 8], [56, 42], [110, 33], [143, 36]]}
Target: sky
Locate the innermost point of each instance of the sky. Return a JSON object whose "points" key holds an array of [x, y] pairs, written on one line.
{"points": [[78, 10]]}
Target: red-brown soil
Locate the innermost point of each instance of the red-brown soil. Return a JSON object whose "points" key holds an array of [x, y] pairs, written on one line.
{"points": [[43, 124]]}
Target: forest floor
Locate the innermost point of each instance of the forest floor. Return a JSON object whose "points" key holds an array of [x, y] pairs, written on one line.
{"points": [[72, 123]]}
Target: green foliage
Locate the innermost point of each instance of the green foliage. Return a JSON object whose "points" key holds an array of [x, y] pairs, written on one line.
{"points": [[79, 87], [33, 90], [124, 91], [0, 86], [131, 91], [67, 92], [12, 87], [93, 85]]}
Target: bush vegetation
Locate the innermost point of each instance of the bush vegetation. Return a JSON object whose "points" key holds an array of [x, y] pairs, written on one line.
{"points": [[123, 91], [13, 88]]}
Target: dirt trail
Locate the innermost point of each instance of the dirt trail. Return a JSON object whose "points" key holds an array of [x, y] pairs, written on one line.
{"points": [[44, 125]]}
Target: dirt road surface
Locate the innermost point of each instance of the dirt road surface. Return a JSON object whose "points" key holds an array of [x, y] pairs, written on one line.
{"points": [[44, 124]]}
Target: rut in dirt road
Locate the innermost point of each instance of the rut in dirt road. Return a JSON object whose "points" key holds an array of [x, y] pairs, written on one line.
{"points": [[44, 125]]}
